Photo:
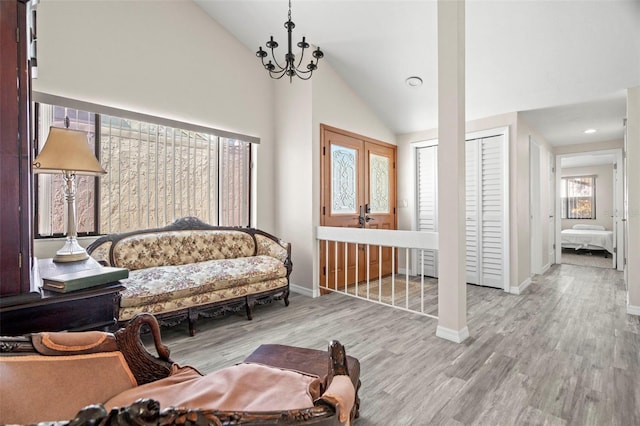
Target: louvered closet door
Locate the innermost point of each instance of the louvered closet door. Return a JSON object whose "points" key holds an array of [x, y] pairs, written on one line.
{"points": [[473, 210], [486, 239], [427, 188], [492, 212]]}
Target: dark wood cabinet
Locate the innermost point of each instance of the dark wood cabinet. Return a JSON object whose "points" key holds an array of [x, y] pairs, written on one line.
{"points": [[91, 309], [15, 150]]}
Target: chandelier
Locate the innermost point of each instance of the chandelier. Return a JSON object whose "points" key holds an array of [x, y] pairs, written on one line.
{"points": [[277, 71]]}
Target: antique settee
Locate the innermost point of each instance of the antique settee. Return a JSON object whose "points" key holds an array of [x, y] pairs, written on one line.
{"points": [[190, 269], [99, 378]]}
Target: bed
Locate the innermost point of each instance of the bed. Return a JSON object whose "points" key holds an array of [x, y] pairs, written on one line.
{"points": [[589, 237]]}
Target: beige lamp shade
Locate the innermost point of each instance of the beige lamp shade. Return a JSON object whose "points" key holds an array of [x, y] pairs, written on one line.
{"points": [[69, 150]]}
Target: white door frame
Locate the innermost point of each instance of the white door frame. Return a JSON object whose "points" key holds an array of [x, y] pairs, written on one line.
{"points": [[618, 208], [552, 247], [535, 217]]}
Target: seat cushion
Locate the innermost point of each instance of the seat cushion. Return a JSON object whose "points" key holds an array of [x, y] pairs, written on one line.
{"points": [[126, 313], [166, 283], [243, 387]]}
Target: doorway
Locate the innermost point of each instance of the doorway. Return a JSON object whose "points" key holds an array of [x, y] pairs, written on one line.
{"points": [[357, 190], [609, 212]]}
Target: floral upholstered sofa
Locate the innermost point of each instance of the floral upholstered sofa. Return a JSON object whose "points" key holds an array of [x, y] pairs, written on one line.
{"points": [[190, 269]]}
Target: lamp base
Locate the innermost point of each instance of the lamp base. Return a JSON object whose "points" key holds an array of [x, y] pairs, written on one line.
{"points": [[70, 252]]}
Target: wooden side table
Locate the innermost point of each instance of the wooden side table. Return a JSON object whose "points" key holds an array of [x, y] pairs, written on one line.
{"points": [[93, 308]]}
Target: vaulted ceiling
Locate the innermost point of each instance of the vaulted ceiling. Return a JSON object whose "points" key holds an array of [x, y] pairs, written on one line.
{"points": [[564, 64]]}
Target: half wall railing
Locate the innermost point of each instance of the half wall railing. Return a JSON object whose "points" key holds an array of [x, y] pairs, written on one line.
{"points": [[381, 266]]}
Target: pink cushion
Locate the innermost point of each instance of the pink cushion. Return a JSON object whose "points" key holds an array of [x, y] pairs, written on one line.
{"points": [[39, 388], [243, 387]]}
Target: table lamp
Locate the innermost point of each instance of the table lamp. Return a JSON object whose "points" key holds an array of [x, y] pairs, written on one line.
{"points": [[68, 151]]}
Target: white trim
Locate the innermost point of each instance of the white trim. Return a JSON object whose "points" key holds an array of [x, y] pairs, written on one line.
{"points": [[456, 336], [633, 310], [521, 288], [122, 113], [381, 237], [545, 268], [303, 290]]}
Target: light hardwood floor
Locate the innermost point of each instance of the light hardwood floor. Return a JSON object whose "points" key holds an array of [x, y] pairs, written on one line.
{"points": [[563, 353]]}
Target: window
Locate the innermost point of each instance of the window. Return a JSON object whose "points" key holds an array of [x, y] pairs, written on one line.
{"points": [[156, 173], [578, 197]]}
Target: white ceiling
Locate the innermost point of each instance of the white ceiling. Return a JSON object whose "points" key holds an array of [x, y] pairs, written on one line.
{"points": [[565, 64]]}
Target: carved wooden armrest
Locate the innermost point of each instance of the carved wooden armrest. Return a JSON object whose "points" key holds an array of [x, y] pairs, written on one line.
{"points": [[144, 366]]}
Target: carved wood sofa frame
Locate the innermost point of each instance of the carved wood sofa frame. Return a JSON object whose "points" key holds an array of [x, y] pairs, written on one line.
{"points": [[214, 309], [148, 368]]}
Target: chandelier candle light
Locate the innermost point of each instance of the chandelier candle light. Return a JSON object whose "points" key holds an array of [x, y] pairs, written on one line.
{"points": [[68, 151], [276, 71]]}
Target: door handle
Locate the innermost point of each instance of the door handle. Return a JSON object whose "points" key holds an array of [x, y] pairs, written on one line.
{"points": [[368, 218]]}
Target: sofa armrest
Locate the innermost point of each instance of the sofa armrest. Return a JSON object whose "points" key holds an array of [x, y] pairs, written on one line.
{"points": [[145, 367]]}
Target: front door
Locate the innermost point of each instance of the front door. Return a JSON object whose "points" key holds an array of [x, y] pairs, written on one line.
{"points": [[358, 189]]}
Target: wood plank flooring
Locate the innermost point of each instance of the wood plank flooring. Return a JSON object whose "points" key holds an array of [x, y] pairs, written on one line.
{"points": [[563, 353]]}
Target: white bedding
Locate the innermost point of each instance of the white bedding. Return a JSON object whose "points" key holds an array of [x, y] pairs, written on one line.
{"points": [[587, 239]]}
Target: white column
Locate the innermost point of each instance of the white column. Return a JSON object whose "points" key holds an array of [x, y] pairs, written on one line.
{"points": [[633, 191], [452, 290]]}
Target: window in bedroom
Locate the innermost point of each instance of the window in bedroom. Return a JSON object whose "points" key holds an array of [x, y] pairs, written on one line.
{"points": [[578, 197], [156, 173]]}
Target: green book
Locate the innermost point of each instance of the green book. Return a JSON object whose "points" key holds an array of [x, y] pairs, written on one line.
{"points": [[84, 279]]}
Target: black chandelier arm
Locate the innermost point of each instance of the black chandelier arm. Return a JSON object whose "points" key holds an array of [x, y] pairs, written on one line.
{"points": [[277, 75], [273, 57], [305, 76]]}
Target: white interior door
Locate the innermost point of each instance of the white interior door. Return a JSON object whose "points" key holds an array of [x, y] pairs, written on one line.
{"points": [[492, 220], [472, 241], [618, 213], [427, 196], [535, 221], [552, 209]]}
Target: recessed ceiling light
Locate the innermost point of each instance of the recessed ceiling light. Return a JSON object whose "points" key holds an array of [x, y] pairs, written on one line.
{"points": [[414, 81], [589, 131]]}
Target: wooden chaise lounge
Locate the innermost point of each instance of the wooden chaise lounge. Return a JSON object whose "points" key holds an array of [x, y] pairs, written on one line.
{"points": [[52, 376]]}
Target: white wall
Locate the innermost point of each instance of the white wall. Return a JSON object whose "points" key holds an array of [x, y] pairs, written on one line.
{"points": [[330, 101], [633, 191], [171, 60], [545, 207], [604, 194], [588, 147], [165, 58], [294, 175]]}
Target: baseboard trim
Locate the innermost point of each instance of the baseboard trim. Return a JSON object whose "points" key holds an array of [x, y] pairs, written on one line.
{"points": [[456, 336], [402, 271], [633, 310], [521, 288], [303, 290], [545, 268]]}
